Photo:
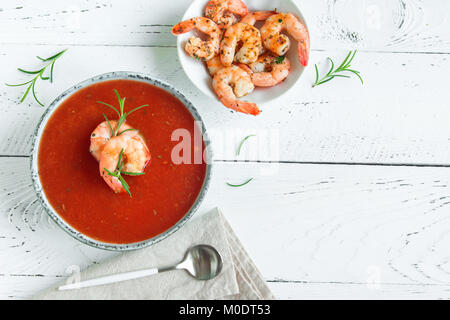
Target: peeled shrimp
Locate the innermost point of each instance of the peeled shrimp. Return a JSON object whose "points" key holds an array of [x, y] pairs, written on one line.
{"points": [[280, 43], [214, 65], [268, 70], [135, 158], [196, 47], [251, 44], [223, 12], [231, 83], [252, 17], [101, 135]]}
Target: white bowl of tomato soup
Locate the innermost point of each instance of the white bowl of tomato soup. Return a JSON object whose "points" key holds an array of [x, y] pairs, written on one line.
{"points": [[67, 179]]}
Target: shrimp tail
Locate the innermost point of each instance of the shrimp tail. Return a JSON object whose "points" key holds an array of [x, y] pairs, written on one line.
{"points": [[113, 182], [303, 52], [243, 107], [248, 108], [252, 17], [183, 27], [238, 7]]}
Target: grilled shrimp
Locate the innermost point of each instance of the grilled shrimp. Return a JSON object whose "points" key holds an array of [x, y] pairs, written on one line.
{"points": [[279, 43], [231, 83], [223, 12], [268, 70], [196, 47], [102, 134], [214, 65], [252, 17], [135, 157], [251, 44]]}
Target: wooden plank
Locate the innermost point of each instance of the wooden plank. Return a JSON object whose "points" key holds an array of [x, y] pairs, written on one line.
{"points": [[23, 287], [395, 117], [406, 25], [365, 222], [350, 291], [307, 223]]}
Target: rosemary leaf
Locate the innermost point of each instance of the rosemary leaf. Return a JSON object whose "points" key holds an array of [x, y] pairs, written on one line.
{"points": [[135, 109], [120, 163], [110, 173], [34, 93], [109, 124], [317, 73], [242, 143], [51, 72], [126, 131], [125, 185], [110, 106], [18, 85], [26, 93], [133, 173], [240, 185], [29, 72], [119, 124]]}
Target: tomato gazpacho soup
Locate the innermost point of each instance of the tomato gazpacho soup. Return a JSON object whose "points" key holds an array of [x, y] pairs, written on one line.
{"points": [[105, 161]]}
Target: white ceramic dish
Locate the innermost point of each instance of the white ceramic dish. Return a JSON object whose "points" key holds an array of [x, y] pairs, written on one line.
{"points": [[196, 70]]}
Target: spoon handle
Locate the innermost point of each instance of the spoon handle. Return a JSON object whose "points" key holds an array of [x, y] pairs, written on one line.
{"points": [[110, 279]]}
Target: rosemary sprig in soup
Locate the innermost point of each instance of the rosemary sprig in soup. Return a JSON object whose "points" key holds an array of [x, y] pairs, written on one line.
{"points": [[121, 114]]}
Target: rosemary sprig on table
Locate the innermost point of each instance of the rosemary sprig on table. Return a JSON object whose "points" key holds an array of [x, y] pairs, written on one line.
{"points": [[120, 112], [344, 67], [240, 185], [39, 75], [238, 153], [242, 143], [118, 173]]}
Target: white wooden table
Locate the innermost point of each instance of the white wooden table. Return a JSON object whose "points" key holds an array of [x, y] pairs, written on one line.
{"points": [[351, 199]]}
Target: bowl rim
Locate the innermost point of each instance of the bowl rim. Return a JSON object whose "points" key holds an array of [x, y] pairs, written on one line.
{"points": [[210, 93], [117, 75]]}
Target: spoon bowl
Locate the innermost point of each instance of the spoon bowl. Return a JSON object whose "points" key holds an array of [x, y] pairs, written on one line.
{"points": [[203, 262]]}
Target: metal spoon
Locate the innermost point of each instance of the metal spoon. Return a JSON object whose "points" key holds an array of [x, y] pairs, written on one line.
{"points": [[202, 262]]}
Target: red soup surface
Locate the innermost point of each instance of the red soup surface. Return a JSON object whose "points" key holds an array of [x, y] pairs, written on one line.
{"points": [[70, 174]]}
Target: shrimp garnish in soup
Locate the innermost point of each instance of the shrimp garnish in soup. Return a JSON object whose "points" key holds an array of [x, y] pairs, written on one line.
{"points": [[231, 83], [196, 47], [223, 12], [251, 44], [102, 134], [268, 70], [279, 43], [135, 157]]}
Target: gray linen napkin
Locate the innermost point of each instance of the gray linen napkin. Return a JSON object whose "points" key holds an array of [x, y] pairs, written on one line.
{"points": [[239, 279]]}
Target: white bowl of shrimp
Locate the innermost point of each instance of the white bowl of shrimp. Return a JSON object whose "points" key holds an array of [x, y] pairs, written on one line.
{"points": [[262, 44]]}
